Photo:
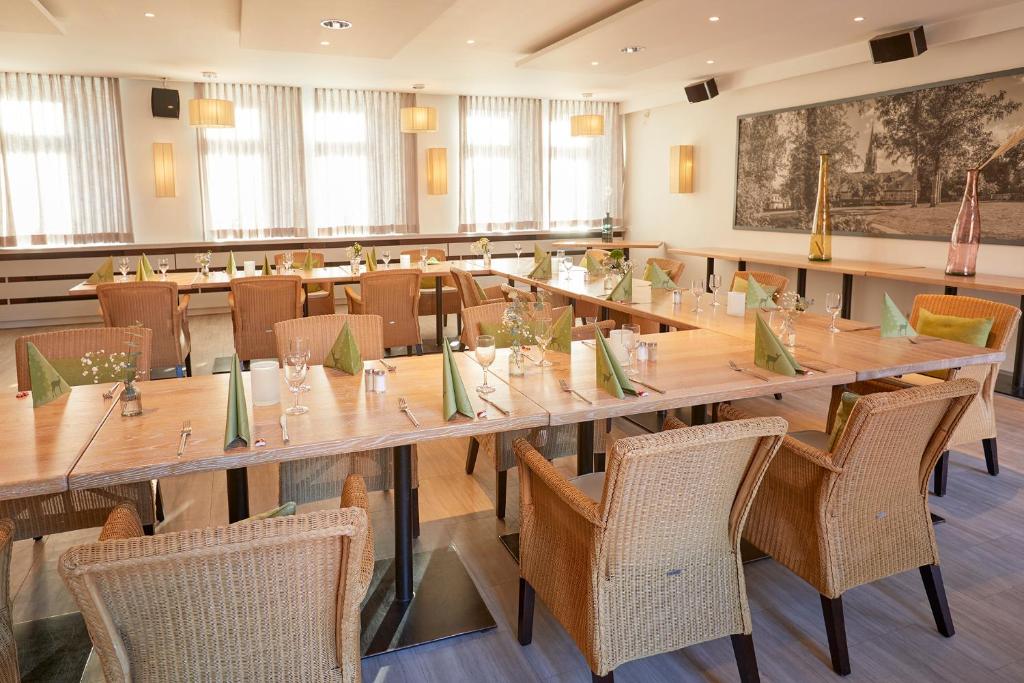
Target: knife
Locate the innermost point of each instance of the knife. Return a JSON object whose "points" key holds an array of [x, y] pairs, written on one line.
{"points": [[492, 403], [645, 384], [284, 427]]}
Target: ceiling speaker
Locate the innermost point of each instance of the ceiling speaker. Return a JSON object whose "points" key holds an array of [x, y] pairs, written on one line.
{"points": [[903, 44], [165, 103], [702, 90]]}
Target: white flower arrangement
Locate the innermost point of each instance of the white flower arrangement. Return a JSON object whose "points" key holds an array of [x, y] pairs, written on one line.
{"points": [[482, 247]]}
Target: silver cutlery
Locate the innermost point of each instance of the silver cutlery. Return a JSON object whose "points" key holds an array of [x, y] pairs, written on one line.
{"points": [[495, 405], [387, 366], [403, 405], [811, 367], [565, 387], [645, 384], [186, 431], [732, 364], [284, 428], [921, 340], [109, 393]]}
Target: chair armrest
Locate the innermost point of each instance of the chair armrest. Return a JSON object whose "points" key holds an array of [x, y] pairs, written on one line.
{"points": [[673, 423], [184, 300], [494, 293], [231, 300], [574, 501], [353, 495], [355, 301], [122, 523], [581, 332]]}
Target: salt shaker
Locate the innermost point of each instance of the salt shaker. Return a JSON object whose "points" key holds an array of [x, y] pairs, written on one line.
{"points": [[368, 380], [380, 381], [641, 352], [677, 297]]}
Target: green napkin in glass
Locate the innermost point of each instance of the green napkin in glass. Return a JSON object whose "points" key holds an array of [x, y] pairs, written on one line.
{"points": [[308, 264], [371, 259], [266, 266], [453, 395], [592, 265], [894, 323], [561, 332], [624, 290], [236, 429], [658, 278], [105, 273], [144, 271], [345, 354], [47, 384], [232, 268], [542, 268], [756, 294], [770, 354], [610, 375]]}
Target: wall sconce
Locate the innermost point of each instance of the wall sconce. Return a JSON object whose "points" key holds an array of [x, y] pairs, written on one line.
{"points": [[586, 126], [210, 113], [419, 120], [437, 170], [680, 169], [163, 169]]}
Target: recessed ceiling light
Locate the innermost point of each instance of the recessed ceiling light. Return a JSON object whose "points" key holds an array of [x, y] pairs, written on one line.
{"points": [[336, 24], [325, 43], [594, 63], [710, 61], [633, 49], [470, 42], [418, 86], [149, 15], [712, 18], [858, 18]]}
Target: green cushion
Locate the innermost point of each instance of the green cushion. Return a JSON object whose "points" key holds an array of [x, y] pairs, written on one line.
{"points": [[846, 404], [973, 331], [502, 339], [100, 369], [286, 510]]}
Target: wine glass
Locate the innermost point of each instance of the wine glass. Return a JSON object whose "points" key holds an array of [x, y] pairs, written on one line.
{"points": [[714, 284], [385, 256], [287, 259], [518, 248], [124, 266], [560, 262], [567, 261], [423, 256], [542, 333], [697, 290], [631, 341], [299, 346], [833, 304], [163, 264], [295, 368], [485, 356]]}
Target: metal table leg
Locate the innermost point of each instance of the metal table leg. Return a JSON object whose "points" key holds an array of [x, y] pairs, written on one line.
{"points": [[403, 523], [847, 305], [801, 281], [951, 291], [585, 447], [238, 494], [439, 300], [1017, 385]]}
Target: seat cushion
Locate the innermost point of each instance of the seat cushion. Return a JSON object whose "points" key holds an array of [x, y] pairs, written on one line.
{"points": [[591, 485], [812, 437]]}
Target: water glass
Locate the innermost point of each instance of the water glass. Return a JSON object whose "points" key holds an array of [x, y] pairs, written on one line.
{"points": [[833, 304], [163, 264], [697, 290], [518, 248], [299, 346], [124, 266], [485, 356], [423, 256], [560, 262], [714, 284], [287, 259], [542, 330], [385, 256], [631, 340], [295, 368]]}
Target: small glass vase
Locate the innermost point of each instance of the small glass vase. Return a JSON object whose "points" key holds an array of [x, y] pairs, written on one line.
{"points": [[821, 225], [355, 266], [962, 258], [131, 401], [516, 361], [487, 259], [609, 282]]}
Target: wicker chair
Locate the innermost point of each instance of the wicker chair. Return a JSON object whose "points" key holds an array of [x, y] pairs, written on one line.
{"points": [[674, 269], [256, 304], [469, 294], [859, 513], [8, 648], [319, 297], [428, 299], [395, 296], [650, 563], [508, 291], [763, 277], [263, 600], [153, 305], [74, 343]]}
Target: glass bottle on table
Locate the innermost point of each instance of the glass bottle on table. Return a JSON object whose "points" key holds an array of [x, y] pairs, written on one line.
{"points": [[962, 257], [485, 356]]}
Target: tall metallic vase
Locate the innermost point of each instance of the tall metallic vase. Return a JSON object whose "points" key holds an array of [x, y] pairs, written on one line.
{"points": [[966, 238], [821, 226]]}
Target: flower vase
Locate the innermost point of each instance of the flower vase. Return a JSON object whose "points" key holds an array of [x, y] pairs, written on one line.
{"points": [[821, 224], [487, 260], [963, 244], [131, 400], [516, 361], [355, 266]]}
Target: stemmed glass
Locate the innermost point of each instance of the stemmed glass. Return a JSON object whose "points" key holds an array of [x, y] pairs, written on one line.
{"points": [[295, 368], [287, 259], [714, 284], [833, 304], [299, 346], [697, 290], [542, 333], [568, 266], [485, 356], [560, 262], [385, 256], [518, 248], [163, 264], [631, 341], [124, 266], [423, 256]]}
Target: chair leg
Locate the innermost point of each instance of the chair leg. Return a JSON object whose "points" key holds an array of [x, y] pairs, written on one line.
{"points": [[148, 530], [991, 455], [474, 448], [941, 475], [188, 365], [931, 575], [835, 629], [414, 504], [607, 678], [408, 350], [526, 600], [499, 508], [778, 397], [746, 659], [159, 502], [37, 538], [419, 349]]}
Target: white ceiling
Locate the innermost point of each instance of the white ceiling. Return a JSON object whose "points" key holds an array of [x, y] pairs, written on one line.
{"points": [[522, 47]]}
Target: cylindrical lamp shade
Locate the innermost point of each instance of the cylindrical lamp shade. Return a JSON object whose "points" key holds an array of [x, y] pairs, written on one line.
{"points": [[437, 170], [680, 169], [206, 113], [587, 125], [163, 169], [419, 120]]}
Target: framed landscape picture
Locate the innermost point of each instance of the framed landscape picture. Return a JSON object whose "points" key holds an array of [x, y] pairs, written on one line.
{"points": [[898, 161]]}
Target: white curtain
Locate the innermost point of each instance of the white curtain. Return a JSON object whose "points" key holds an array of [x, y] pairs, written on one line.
{"points": [[500, 152], [252, 176], [363, 179], [585, 172], [62, 171]]}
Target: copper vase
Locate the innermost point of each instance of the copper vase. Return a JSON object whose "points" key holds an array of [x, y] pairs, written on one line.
{"points": [[966, 238], [821, 225]]}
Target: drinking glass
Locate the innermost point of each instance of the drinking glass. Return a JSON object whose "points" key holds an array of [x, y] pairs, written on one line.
{"points": [[163, 264], [833, 304], [631, 341], [485, 356], [560, 262], [299, 346], [295, 374], [124, 266], [714, 284], [518, 248], [542, 333], [423, 256], [568, 266], [287, 259], [385, 256], [697, 290]]}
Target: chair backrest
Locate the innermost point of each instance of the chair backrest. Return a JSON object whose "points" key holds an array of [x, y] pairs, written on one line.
{"points": [[598, 254], [259, 302], [75, 343], [394, 295], [763, 277], [674, 269], [321, 331], [153, 305], [1005, 317], [8, 651], [526, 295], [169, 607], [469, 292]]}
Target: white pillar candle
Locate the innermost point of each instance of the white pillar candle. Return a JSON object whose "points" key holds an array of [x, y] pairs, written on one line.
{"points": [[404, 260], [249, 267], [266, 382], [737, 304], [641, 291]]}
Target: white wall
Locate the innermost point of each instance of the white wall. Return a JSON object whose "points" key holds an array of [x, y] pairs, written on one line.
{"points": [[705, 217], [439, 213]]}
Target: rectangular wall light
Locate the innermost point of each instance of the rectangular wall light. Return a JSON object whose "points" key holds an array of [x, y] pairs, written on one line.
{"points": [[437, 170], [680, 169], [163, 169]]}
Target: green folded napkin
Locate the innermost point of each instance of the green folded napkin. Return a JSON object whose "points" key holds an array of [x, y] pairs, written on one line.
{"points": [[658, 278], [232, 268], [345, 354], [144, 271], [236, 429], [770, 354], [105, 273], [592, 265], [846, 403], [266, 266], [371, 259], [561, 332], [308, 264], [624, 290], [542, 268], [756, 294], [894, 323], [539, 254], [47, 384], [610, 375], [479, 290], [453, 395]]}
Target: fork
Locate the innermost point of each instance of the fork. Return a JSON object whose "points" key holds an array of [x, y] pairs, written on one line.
{"points": [[186, 431], [732, 364], [388, 366], [565, 387], [403, 405]]}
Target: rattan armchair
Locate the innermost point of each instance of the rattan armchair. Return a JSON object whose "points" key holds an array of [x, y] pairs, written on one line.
{"points": [[153, 305], [74, 343], [264, 600], [859, 513], [510, 292], [674, 269], [256, 304], [319, 297], [394, 295], [652, 563], [763, 277], [469, 290], [8, 648], [428, 297]]}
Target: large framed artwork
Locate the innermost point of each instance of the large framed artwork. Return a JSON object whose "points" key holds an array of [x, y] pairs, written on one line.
{"points": [[898, 161]]}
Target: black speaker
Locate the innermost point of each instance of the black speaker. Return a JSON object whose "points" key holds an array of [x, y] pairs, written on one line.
{"points": [[702, 90], [165, 103], [903, 44]]}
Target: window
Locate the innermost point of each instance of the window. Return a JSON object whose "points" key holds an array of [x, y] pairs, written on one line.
{"points": [[251, 175], [363, 177], [500, 179], [62, 173]]}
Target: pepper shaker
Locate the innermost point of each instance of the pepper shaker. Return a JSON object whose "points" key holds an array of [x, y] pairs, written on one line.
{"points": [[368, 380], [677, 297], [380, 381], [641, 352]]}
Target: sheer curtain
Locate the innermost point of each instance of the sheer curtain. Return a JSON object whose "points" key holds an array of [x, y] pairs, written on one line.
{"points": [[251, 176], [500, 150], [62, 172], [585, 172], [363, 178]]}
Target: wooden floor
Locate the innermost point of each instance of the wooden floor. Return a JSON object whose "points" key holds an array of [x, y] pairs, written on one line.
{"points": [[890, 628]]}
